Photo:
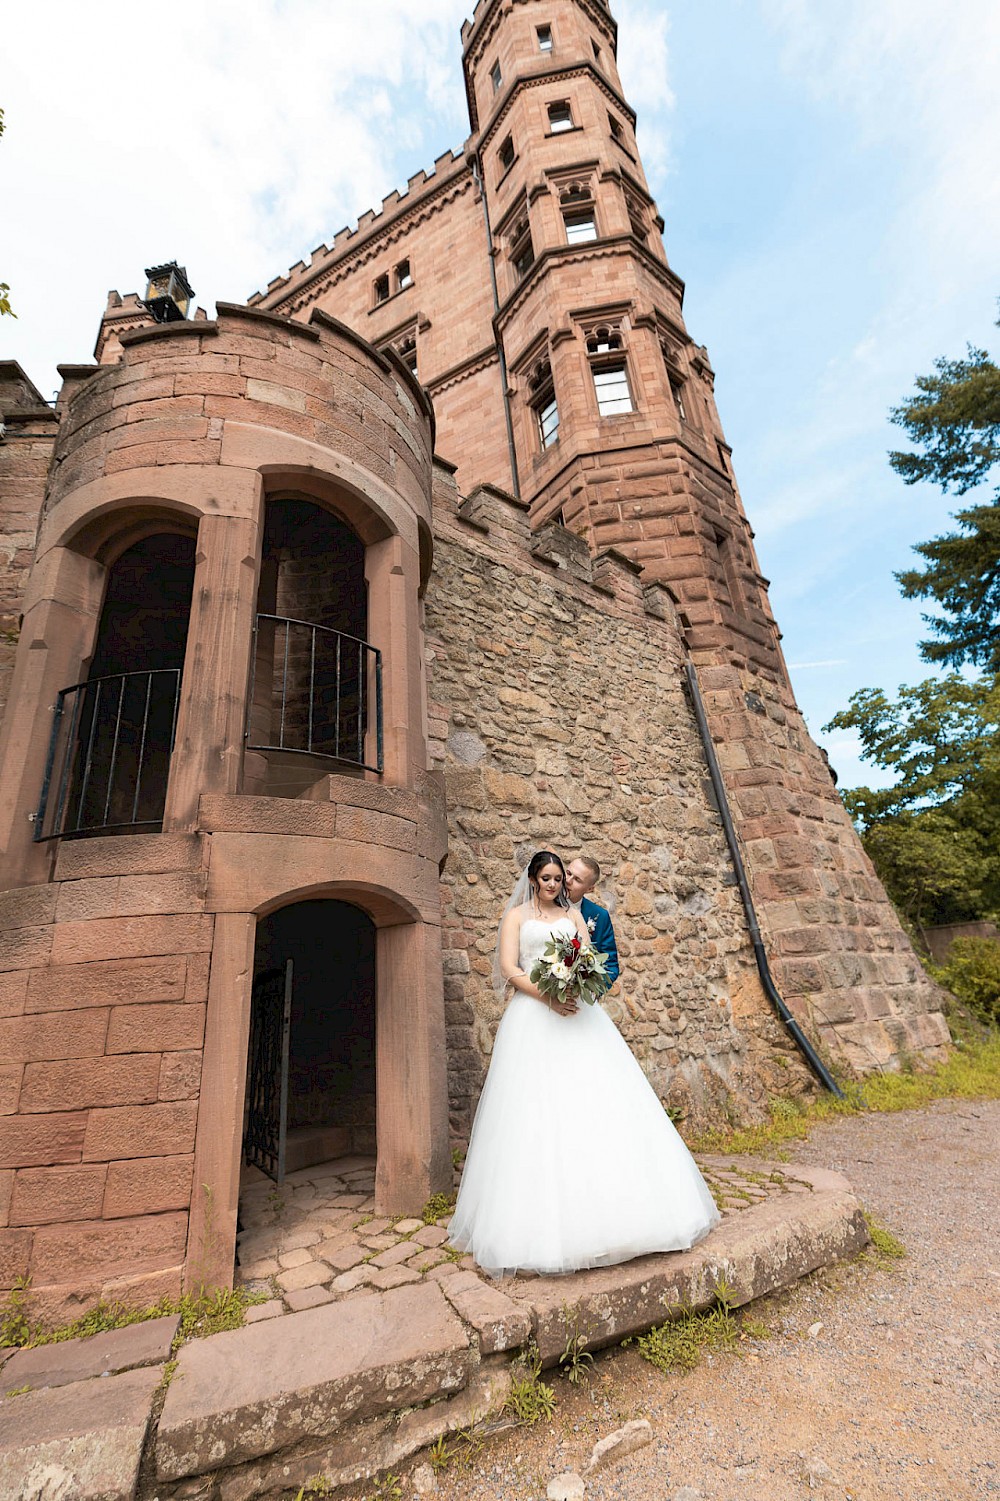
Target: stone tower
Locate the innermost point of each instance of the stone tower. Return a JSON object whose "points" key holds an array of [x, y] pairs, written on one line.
{"points": [[526, 282]]}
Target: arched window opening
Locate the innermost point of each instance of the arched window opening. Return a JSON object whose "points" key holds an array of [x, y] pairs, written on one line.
{"points": [[316, 682], [310, 1094], [112, 737]]}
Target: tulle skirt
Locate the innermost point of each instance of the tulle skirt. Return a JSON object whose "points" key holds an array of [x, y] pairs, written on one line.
{"points": [[573, 1161]]}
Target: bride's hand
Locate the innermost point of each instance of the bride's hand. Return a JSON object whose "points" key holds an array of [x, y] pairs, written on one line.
{"points": [[564, 1008]]}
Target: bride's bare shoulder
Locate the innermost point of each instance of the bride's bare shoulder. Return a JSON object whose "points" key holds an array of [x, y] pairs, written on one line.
{"points": [[521, 913]]}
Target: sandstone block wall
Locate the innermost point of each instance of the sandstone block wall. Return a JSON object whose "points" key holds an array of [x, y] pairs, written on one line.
{"points": [[839, 954], [103, 988], [558, 717]]}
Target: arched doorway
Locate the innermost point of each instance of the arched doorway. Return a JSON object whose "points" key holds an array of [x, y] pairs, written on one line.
{"points": [[113, 734], [311, 1063]]}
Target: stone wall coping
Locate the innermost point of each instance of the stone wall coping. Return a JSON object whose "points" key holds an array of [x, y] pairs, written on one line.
{"points": [[151, 331], [258, 315], [78, 372], [23, 415]]}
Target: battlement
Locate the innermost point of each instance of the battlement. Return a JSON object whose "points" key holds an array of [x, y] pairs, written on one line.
{"points": [[369, 223]]}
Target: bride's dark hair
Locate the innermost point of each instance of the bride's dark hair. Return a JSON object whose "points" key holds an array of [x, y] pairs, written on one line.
{"points": [[538, 862]]}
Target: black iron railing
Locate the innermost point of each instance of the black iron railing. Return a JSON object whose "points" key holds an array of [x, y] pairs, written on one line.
{"points": [[315, 691], [109, 755]]}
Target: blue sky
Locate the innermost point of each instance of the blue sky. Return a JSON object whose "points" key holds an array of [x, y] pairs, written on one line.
{"points": [[827, 170]]}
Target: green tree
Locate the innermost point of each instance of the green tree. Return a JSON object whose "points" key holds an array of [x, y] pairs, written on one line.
{"points": [[934, 835], [954, 419], [5, 307]]}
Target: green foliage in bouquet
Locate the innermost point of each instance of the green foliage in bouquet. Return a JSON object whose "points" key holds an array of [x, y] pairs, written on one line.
{"points": [[571, 969]]}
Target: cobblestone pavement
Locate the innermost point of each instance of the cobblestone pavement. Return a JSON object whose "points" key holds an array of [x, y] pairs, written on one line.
{"points": [[318, 1239]]}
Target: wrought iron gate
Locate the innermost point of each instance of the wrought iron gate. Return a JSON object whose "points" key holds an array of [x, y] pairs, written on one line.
{"points": [[267, 1091]]}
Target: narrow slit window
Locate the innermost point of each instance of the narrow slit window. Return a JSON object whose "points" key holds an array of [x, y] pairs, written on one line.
{"points": [[404, 276], [544, 34], [547, 413], [381, 289], [617, 131], [496, 77], [506, 154]]}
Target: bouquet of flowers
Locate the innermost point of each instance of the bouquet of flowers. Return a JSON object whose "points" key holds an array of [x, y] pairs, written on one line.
{"points": [[570, 969]]}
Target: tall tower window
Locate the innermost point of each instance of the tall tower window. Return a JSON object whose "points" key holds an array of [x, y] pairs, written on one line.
{"points": [[381, 289], [404, 276], [506, 154], [676, 378], [612, 388], [610, 373], [577, 207], [617, 129], [637, 218], [560, 117], [597, 54], [407, 351], [544, 34], [496, 77], [544, 405], [522, 252]]}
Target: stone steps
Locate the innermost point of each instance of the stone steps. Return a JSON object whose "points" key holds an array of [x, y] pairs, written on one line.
{"points": [[354, 1387]]}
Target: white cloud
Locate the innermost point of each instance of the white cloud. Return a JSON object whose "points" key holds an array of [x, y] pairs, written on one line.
{"points": [[644, 66], [234, 136]]}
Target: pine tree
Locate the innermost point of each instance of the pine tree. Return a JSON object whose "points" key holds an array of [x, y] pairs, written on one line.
{"points": [[955, 421]]}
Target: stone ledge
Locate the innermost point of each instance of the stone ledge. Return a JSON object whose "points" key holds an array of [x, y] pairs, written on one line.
{"points": [[759, 1251], [245, 1394], [83, 1441], [102, 1355]]}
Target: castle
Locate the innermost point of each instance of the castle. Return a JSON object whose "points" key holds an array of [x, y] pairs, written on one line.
{"points": [[317, 618]]}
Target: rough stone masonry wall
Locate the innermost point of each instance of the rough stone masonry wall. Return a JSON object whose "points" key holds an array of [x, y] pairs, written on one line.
{"points": [[558, 718], [25, 452]]}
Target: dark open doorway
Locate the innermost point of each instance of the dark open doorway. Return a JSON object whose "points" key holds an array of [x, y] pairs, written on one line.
{"points": [[329, 1058]]}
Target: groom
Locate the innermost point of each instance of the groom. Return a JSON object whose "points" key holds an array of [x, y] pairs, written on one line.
{"points": [[582, 875]]}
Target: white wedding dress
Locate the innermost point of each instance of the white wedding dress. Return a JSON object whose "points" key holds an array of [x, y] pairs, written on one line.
{"points": [[573, 1162]]}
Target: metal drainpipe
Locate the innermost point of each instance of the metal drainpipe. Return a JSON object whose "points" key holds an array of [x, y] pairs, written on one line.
{"points": [[478, 175], [763, 968]]}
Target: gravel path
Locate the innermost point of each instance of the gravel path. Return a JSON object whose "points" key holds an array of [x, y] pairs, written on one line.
{"points": [[878, 1382]]}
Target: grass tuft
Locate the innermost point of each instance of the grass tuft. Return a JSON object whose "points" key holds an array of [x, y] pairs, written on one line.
{"points": [[680, 1343], [209, 1311], [886, 1245]]}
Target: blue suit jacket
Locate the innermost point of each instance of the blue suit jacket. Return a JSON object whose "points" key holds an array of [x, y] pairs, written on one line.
{"points": [[603, 937]]}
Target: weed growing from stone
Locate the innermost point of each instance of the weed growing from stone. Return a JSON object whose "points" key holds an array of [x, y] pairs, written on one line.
{"points": [[530, 1400], [440, 1455], [18, 1391], [887, 1247], [389, 1488], [437, 1206], [576, 1361]]}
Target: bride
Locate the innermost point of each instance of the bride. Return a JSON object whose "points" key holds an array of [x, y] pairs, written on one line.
{"points": [[573, 1161]]}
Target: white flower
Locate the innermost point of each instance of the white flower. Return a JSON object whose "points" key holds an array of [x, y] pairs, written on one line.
{"points": [[592, 925], [559, 971]]}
